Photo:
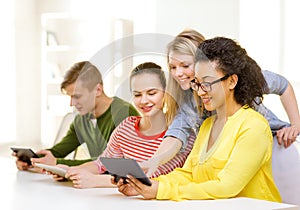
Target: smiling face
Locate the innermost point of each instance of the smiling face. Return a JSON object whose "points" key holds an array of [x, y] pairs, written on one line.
{"points": [[81, 97], [207, 72], [147, 93], [182, 68]]}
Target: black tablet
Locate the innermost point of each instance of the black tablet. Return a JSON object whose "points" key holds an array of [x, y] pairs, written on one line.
{"points": [[24, 154], [121, 167]]}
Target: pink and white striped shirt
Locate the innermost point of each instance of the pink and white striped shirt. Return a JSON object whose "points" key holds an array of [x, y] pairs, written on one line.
{"points": [[127, 141]]}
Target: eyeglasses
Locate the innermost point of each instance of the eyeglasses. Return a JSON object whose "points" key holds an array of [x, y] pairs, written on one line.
{"points": [[205, 86]]}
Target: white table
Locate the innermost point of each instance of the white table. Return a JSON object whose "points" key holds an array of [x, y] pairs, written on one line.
{"points": [[28, 191]]}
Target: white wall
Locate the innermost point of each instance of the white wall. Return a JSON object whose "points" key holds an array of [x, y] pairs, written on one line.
{"points": [[97, 35], [209, 17], [8, 73], [268, 32], [27, 62]]}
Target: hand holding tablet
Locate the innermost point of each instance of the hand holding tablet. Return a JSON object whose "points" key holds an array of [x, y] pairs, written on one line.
{"points": [[53, 169], [121, 167], [24, 154]]}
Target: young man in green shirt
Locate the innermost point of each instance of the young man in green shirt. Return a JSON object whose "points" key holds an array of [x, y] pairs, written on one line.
{"points": [[98, 116]]}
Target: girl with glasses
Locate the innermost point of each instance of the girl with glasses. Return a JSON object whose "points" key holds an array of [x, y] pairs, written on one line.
{"points": [[232, 154], [183, 112], [185, 118]]}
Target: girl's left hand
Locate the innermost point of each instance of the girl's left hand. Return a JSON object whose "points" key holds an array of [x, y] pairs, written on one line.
{"points": [[148, 192]]}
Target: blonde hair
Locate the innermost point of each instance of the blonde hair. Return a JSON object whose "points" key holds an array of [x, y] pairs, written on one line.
{"points": [[186, 43]]}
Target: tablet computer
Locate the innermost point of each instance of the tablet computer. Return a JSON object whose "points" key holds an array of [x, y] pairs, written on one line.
{"points": [[53, 169], [121, 167], [24, 154]]}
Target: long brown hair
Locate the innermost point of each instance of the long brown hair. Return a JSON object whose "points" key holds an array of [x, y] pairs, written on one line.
{"points": [[153, 68]]}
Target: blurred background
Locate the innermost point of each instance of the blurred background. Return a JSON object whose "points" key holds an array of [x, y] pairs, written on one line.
{"points": [[42, 38]]}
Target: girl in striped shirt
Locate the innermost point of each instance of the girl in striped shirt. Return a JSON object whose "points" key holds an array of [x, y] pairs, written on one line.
{"points": [[137, 137]]}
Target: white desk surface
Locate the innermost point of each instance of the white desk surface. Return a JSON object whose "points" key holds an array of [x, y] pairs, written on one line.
{"points": [[28, 191]]}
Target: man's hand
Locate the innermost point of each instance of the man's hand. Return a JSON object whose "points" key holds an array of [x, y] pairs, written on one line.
{"points": [[48, 158], [22, 166]]}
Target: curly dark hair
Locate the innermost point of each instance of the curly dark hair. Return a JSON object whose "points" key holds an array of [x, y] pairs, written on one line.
{"points": [[231, 59]]}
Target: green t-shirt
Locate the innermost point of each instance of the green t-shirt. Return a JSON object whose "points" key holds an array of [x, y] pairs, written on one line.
{"points": [[82, 130]]}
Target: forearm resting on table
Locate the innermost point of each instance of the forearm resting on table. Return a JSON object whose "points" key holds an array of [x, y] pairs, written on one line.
{"points": [[103, 180], [89, 166]]}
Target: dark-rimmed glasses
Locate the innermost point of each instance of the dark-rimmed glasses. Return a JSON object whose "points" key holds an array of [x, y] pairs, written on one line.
{"points": [[205, 86]]}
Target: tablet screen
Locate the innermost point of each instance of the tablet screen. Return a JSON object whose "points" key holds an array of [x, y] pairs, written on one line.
{"points": [[121, 167]]}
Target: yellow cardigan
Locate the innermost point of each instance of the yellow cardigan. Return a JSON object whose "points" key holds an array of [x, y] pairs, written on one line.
{"points": [[237, 165]]}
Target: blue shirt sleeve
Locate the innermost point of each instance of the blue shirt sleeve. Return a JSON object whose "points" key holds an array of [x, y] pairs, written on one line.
{"points": [[186, 120], [277, 84]]}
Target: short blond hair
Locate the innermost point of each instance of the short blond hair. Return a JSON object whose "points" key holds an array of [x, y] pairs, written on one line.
{"points": [[83, 71]]}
